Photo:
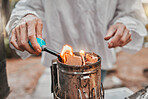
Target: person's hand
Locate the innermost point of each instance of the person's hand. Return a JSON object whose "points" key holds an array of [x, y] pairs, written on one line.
{"points": [[29, 28], [120, 35]]}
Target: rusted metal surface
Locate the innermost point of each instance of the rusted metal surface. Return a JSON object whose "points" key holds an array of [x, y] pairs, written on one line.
{"points": [[78, 82]]}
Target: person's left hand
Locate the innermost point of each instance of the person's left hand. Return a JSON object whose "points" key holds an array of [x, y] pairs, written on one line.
{"points": [[120, 35]]}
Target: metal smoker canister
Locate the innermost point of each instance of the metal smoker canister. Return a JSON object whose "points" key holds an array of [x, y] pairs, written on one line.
{"points": [[78, 82]]}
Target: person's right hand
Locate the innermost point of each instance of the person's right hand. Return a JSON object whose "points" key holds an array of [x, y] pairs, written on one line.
{"points": [[29, 28]]}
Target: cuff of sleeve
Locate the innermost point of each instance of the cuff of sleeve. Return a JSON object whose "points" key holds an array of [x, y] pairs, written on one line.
{"points": [[23, 55], [135, 45], [133, 25], [16, 19], [129, 25]]}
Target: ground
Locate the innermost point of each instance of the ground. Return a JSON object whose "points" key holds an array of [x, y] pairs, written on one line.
{"points": [[130, 69], [23, 75]]}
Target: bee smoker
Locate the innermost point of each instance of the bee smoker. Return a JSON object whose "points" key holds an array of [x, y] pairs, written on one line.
{"points": [[77, 82]]}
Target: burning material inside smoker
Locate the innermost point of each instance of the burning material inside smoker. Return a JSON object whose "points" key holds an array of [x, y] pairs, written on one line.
{"points": [[70, 58]]}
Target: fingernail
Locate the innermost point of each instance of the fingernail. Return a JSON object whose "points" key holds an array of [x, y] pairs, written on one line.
{"points": [[104, 38], [38, 50]]}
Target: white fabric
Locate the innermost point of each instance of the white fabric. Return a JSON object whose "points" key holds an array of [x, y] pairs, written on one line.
{"points": [[83, 24]]}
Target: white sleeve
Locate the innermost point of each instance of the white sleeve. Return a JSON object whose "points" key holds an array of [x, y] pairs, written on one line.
{"points": [[131, 14], [22, 8]]}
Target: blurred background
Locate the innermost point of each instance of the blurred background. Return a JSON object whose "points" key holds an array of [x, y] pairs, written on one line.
{"points": [[28, 78]]}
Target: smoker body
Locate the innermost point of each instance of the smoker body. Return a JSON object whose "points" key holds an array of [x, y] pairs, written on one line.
{"points": [[77, 82]]}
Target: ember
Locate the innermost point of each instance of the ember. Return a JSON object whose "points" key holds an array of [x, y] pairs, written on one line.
{"points": [[90, 58], [70, 58]]}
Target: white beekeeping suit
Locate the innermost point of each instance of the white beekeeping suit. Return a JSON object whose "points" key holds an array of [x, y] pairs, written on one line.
{"points": [[83, 24]]}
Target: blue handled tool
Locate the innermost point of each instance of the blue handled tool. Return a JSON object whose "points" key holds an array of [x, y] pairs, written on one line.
{"points": [[42, 44]]}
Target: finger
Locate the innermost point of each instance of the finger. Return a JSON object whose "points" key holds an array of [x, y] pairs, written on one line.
{"points": [[13, 40], [110, 33], [127, 41], [118, 35], [39, 27], [24, 39], [32, 36], [18, 38], [125, 37]]}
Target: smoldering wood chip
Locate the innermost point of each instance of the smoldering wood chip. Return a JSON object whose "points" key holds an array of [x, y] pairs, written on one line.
{"points": [[90, 58], [73, 60]]}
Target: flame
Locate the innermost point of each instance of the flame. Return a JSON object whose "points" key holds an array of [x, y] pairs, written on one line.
{"points": [[66, 50], [82, 53]]}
